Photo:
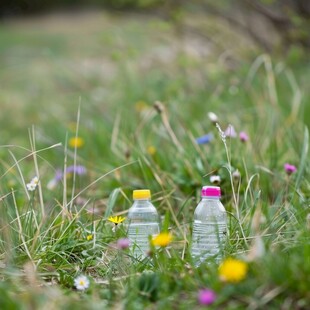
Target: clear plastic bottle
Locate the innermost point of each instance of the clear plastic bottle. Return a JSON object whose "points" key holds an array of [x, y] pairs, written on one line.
{"points": [[143, 221], [209, 227]]}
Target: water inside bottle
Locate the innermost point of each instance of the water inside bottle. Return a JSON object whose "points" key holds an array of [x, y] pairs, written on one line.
{"points": [[139, 233], [207, 240]]}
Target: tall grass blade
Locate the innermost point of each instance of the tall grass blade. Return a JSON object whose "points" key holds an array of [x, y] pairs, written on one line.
{"points": [[303, 157], [111, 202]]}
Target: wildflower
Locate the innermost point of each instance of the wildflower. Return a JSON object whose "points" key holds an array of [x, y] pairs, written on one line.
{"points": [[58, 175], [162, 240], [57, 178], [81, 283], [215, 179], [140, 105], [33, 184], [243, 136], [31, 187], [89, 237], [205, 139], [76, 142], [213, 117], [35, 180], [289, 168], [236, 175], [230, 132], [151, 150], [116, 219], [123, 243], [233, 270], [78, 169], [206, 297]]}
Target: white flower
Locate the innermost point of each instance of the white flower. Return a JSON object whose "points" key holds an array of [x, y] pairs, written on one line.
{"points": [[31, 187], [213, 117], [215, 179], [236, 175], [81, 283], [33, 184], [35, 180]]}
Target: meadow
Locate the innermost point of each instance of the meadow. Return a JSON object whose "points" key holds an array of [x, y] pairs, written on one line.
{"points": [[96, 105]]}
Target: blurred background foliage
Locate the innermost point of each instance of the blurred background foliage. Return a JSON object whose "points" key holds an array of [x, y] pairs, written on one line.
{"points": [[274, 24]]}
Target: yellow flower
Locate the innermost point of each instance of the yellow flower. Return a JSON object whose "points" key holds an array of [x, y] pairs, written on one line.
{"points": [[151, 150], [233, 270], [89, 237], [162, 240], [76, 142], [140, 106], [116, 219]]}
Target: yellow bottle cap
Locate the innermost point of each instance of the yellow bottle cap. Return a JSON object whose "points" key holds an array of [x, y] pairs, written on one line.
{"points": [[141, 194]]}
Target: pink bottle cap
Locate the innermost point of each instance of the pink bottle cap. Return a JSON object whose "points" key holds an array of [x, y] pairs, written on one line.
{"points": [[211, 191]]}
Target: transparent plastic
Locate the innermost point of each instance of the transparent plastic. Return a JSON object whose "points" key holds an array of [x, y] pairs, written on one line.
{"points": [[143, 221], [209, 230]]}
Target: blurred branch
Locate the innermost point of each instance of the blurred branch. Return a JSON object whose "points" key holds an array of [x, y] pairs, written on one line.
{"points": [[275, 17]]}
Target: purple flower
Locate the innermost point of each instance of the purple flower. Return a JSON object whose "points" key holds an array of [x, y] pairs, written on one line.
{"points": [[243, 136], [123, 243], [78, 169], [230, 132], [206, 296], [205, 139], [289, 168], [57, 178], [58, 175]]}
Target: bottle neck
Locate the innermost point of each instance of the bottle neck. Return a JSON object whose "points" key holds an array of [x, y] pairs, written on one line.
{"points": [[141, 200], [210, 198]]}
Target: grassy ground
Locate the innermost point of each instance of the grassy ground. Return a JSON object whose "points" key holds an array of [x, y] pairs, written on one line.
{"points": [[97, 76]]}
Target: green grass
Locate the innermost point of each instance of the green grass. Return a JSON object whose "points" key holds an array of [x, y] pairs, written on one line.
{"points": [[98, 78]]}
